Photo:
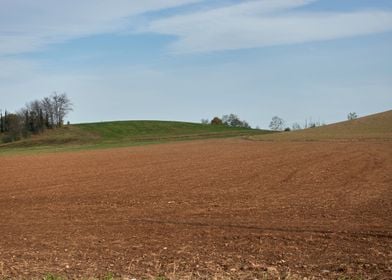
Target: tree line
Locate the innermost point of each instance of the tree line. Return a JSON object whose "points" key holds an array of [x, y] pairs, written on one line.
{"points": [[231, 120], [278, 124], [35, 117]]}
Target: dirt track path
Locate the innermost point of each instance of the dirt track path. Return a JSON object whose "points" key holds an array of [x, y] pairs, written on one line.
{"points": [[218, 207]]}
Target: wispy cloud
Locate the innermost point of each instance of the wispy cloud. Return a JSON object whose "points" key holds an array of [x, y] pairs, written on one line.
{"points": [[261, 23], [28, 25]]}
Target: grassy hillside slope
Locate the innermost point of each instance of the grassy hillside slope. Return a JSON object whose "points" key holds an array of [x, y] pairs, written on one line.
{"points": [[376, 127], [123, 133]]}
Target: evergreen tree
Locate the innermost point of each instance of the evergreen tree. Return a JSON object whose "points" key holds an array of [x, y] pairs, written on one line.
{"points": [[1, 122]]}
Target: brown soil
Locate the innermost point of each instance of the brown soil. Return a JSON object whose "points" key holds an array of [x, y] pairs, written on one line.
{"points": [[217, 208]]}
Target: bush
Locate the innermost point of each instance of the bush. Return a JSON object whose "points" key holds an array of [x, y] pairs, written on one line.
{"points": [[8, 138], [216, 121], [352, 116]]}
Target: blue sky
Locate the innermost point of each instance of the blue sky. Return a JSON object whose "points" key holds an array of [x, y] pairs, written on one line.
{"points": [[192, 59]]}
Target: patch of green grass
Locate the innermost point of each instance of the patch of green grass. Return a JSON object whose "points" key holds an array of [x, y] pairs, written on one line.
{"points": [[52, 277], [350, 278], [121, 134], [161, 278], [158, 130], [109, 276]]}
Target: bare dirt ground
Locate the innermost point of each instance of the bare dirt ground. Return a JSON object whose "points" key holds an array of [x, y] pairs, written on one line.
{"points": [[235, 209]]}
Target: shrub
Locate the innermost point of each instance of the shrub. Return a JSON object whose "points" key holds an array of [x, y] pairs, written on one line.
{"points": [[216, 121], [352, 116], [8, 138]]}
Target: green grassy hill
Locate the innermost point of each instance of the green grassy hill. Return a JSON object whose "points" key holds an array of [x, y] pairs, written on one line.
{"points": [[373, 127], [123, 133]]}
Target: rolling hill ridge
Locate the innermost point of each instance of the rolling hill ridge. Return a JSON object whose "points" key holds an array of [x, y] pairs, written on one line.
{"points": [[372, 127], [125, 133]]}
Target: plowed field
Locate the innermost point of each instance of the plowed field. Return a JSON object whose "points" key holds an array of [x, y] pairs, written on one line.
{"points": [[216, 208]]}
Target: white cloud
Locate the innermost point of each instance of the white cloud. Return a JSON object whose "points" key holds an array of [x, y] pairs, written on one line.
{"points": [[261, 23], [27, 25]]}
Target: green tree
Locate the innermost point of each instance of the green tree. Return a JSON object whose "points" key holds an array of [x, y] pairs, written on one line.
{"points": [[352, 116]]}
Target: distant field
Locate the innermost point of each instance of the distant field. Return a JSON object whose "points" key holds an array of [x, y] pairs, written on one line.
{"points": [[123, 133], [376, 127], [133, 133]]}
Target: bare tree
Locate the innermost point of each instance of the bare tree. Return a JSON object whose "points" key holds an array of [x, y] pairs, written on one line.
{"points": [[277, 124], [34, 106], [61, 105], [233, 120], [296, 126], [47, 108], [35, 117]]}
